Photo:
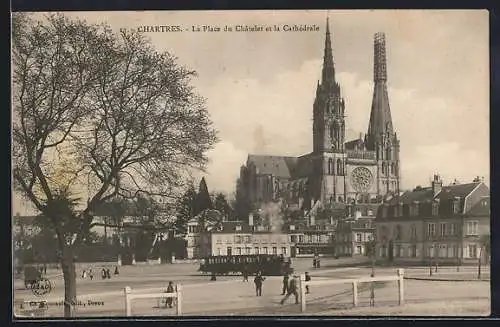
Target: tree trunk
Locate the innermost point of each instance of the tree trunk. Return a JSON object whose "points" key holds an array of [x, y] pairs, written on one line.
{"points": [[69, 274]]}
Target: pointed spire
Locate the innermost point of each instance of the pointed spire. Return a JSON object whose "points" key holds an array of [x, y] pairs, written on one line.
{"points": [[380, 116], [328, 66]]}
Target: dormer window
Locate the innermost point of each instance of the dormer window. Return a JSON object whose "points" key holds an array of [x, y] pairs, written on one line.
{"points": [[292, 227], [414, 209], [456, 205], [238, 228], [435, 208]]}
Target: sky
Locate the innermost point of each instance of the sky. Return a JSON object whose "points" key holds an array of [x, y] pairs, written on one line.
{"points": [[260, 86]]}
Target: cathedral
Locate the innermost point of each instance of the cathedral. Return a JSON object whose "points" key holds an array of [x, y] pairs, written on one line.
{"points": [[362, 170]]}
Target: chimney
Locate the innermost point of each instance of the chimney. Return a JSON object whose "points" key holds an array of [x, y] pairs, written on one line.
{"points": [[437, 184], [250, 219]]}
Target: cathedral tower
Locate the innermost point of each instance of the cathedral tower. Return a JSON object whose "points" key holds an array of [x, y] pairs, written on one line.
{"points": [[328, 132], [381, 136]]}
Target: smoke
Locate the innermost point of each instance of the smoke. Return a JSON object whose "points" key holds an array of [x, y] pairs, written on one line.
{"points": [[271, 215]]}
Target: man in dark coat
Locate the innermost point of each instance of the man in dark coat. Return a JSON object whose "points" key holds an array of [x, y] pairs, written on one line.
{"points": [[258, 283], [292, 290], [169, 300], [245, 273], [286, 278], [307, 279]]}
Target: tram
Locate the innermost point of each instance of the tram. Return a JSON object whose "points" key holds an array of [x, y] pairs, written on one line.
{"points": [[267, 264]]}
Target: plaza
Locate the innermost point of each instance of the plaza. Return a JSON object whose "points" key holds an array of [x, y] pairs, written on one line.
{"points": [[446, 292]]}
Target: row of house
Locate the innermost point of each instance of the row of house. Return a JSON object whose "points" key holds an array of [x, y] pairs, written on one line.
{"points": [[446, 223]]}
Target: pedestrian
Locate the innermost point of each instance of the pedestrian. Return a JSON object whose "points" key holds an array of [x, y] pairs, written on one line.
{"points": [[213, 278], [45, 269], [84, 274], [258, 283], [91, 274], [292, 290], [116, 270], [103, 273], [314, 262], [318, 263], [169, 300], [308, 279], [108, 273], [286, 279], [245, 273]]}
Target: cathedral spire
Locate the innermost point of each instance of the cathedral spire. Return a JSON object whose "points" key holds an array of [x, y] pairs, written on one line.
{"points": [[328, 74], [380, 117]]}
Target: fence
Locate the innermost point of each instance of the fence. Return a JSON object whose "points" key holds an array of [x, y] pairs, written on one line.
{"points": [[129, 296], [399, 277]]}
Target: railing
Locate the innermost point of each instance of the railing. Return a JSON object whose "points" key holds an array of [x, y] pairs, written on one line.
{"points": [[365, 155], [129, 296], [399, 277]]}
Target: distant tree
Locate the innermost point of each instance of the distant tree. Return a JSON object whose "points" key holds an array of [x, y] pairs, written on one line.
{"points": [[242, 204], [184, 209], [221, 204], [203, 201]]}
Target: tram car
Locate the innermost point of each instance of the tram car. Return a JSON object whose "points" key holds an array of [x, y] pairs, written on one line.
{"points": [[269, 265]]}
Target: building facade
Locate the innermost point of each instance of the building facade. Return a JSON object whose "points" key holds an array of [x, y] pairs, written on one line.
{"points": [[361, 170], [437, 223], [354, 234]]}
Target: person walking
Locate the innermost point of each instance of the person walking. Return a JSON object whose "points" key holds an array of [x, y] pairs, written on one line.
{"points": [[169, 300], [116, 270], [245, 273], [307, 279], [258, 283], [286, 279], [91, 274], [292, 290]]}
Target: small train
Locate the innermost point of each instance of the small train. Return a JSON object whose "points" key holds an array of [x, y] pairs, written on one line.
{"points": [[267, 264]]}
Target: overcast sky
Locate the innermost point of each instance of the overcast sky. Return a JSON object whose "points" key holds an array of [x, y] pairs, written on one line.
{"points": [[260, 86]]}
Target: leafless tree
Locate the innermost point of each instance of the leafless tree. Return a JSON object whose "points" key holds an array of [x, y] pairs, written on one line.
{"points": [[102, 111]]}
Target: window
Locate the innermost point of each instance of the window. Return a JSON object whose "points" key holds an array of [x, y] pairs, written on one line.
{"points": [[435, 208], [398, 232], [359, 250], [247, 250], [456, 205], [293, 238], [431, 229], [283, 251], [472, 227], [237, 239], [238, 228], [452, 229], [472, 250], [256, 250], [358, 237], [275, 250], [229, 251], [219, 252], [442, 251], [292, 227], [301, 238], [444, 230], [238, 251], [265, 250], [413, 232], [413, 251]]}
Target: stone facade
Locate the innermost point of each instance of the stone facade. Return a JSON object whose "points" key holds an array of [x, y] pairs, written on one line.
{"points": [[437, 223]]}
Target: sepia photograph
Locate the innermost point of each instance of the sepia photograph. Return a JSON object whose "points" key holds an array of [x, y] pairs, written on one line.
{"points": [[172, 164]]}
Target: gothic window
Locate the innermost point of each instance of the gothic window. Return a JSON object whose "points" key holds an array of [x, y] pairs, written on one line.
{"points": [[330, 167], [339, 167], [332, 131], [388, 153], [392, 169]]}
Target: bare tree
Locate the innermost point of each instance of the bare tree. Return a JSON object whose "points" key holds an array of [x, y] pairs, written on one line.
{"points": [[98, 110]]}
